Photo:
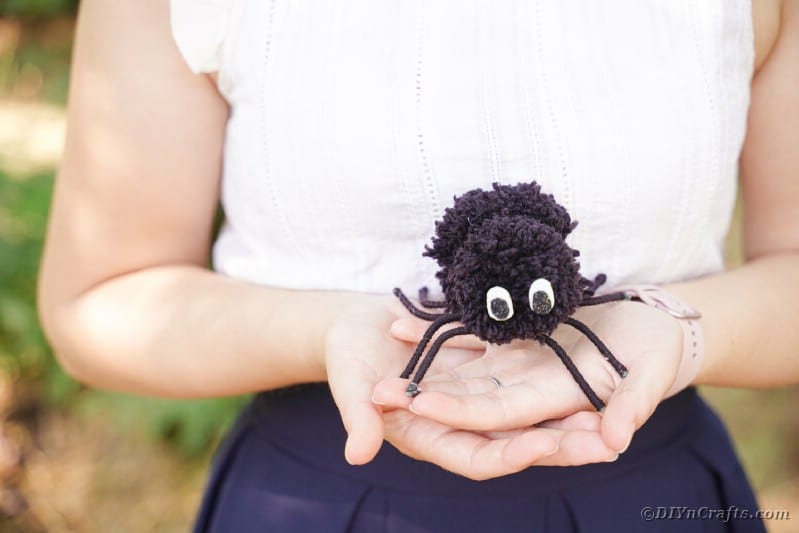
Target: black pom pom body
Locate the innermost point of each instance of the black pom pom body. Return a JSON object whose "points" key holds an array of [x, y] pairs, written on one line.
{"points": [[507, 273], [508, 237], [473, 207]]}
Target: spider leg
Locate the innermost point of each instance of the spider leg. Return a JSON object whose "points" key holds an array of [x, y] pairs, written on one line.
{"points": [[604, 299], [412, 309], [430, 304], [599, 280], [413, 386], [431, 330], [598, 404], [585, 330]]}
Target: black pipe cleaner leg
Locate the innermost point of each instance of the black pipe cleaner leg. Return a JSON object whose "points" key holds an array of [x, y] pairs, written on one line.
{"points": [[430, 304], [599, 280], [431, 330], [413, 386], [598, 404], [604, 350], [412, 309], [604, 299]]}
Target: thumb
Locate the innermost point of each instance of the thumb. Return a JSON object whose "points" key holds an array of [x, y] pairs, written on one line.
{"points": [[363, 420], [413, 329], [632, 403]]}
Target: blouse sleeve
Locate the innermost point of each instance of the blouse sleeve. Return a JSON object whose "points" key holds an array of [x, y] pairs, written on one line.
{"points": [[199, 28]]}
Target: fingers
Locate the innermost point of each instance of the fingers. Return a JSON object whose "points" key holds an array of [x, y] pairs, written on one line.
{"points": [[578, 447], [634, 402], [466, 453], [483, 456], [467, 398], [478, 404], [537, 390], [579, 441], [412, 330], [391, 391], [580, 421], [351, 385], [506, 408]]}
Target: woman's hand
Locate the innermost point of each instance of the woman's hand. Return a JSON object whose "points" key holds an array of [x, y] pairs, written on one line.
{"points": [[537, 389], [488, 454], [361, 352]]}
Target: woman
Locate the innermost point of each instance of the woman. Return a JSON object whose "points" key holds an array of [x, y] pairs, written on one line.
{"points": [[346, 128]]}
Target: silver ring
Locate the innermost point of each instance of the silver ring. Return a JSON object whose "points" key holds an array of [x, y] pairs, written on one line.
{"points": [[497, 382]]}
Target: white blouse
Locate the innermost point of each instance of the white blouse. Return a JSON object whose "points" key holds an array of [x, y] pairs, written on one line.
{"points": [[354, 122]]}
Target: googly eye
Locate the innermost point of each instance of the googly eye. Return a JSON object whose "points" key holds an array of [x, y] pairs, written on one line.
{"points": [[542, 297], [499, 304]]}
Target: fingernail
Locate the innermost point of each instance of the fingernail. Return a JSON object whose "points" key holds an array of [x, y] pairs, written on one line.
{"points": [[612, 458], [412, 409], [626, 445]]}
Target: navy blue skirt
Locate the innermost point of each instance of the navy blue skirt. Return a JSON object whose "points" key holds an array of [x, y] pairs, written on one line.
{"points": [[282, 469]]}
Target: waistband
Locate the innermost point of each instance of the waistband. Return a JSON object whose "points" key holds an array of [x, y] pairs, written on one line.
{"points": [[303, 422]]}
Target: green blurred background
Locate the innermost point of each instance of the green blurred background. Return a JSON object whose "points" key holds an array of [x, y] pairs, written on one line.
{"points": [[74, 459]]}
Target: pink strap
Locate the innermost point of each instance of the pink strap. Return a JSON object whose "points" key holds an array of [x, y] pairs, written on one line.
{"points": [[693, 351]]}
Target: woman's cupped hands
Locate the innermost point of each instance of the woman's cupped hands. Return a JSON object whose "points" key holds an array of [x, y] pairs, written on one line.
{"points": [[487, 411]]}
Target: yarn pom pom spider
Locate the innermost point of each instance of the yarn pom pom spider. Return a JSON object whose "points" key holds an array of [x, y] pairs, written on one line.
{"points": [[507, 273]]}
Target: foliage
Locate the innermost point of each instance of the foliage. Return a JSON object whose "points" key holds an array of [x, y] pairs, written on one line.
{"points": [[36, 72], [35, 57], [23, 351], [37, 8], [192, 425]]}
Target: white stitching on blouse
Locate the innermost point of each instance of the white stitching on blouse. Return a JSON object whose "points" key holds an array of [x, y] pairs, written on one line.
{"points": [[428, 176], [715, 126], [268, 179], [523, 62], [488, 123], [546, 89]]}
